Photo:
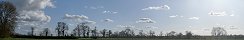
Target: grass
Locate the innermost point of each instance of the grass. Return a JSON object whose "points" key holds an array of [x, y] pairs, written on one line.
{"points": [[113, 39]]}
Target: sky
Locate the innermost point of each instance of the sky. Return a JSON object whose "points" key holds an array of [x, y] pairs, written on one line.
{"points": [[197, 16]]}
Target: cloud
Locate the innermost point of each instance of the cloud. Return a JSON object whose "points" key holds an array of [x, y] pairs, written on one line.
{"points": [[33, 16], [75, 17], [108, 20], [110, 12], [146, 20], [78, 19], [173, 16], [89, 22], [94, 7], [125, 26], [194, 18], [31, 5], [31, 12], [164, 7], [232, 14], [151, 27], [226, 26]]}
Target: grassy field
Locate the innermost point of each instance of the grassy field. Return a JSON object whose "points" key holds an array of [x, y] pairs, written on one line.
{"points": [[113, 39]]}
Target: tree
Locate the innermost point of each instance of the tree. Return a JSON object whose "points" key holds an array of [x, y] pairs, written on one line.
{"points": [[46, 32], [161, 34], [83, 29], [109, 33], [129, 32], [62, 28], [180, 34], [115, 34], [7, 19], [103, 32], [151, 33], [141, 33], [218, 31], [88, 31], [188, 34], [94, 33], [32, 31], [172, 33]]}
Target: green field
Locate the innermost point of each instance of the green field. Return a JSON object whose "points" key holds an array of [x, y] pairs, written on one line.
{"points": [[114, 39]]}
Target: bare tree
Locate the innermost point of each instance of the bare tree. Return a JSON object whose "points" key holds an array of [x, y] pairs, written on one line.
{"points": [[46, 32], [218, 31], [84, 29], [109, 33], [32, 31], [151, 33], [115, 34], [161, 34], [7, 19], [88, 31], [103, 32], [62, 28], [94, 33], [141, 33]]}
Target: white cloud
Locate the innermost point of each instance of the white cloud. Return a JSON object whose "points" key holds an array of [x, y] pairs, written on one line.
{"points": [[31, 12], [78, 19], [232, 15], [173, 16], [152, 27], [125, 26], [89, 22], [164, 7], [34, 16], [217, 13], [146, 20], [110, 12], [194, 18], [75, 17], [108, 20], [31, 5]]}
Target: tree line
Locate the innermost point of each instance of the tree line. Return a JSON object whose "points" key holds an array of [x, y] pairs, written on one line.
{"points": [[8, 17]]}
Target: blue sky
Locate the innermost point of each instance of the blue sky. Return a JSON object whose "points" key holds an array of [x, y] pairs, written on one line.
{"points": [[198, 16]]}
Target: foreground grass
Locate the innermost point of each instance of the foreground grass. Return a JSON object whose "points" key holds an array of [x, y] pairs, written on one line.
{"points": [[113, 39]]}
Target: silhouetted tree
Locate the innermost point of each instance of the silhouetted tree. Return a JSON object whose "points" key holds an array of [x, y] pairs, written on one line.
{"points": [[109, 33], [151, 33], [46, 32], [188, 34], [172, 33], [94, 33], [161, 34], [77, 31], [218, 31], [115, 34], [7, 19], [62, 28], [128, 32], [103, 32], [141, 33], [88, 31], [180, 34], [32, 31]]}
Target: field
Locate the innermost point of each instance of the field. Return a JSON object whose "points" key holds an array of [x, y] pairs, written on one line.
{"points": [[114, 39]]}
